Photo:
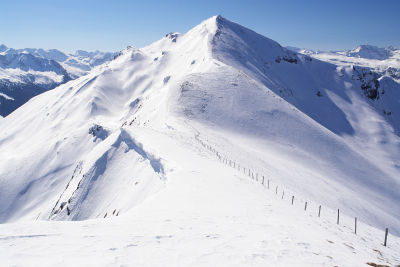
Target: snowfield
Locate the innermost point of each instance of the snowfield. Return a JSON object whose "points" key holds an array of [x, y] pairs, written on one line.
{"points": [[190, 151]]}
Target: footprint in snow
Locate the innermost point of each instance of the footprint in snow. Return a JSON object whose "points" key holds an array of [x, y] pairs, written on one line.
{"points": [[349, 246], [212, 236], [163, 236], [306, 245]]}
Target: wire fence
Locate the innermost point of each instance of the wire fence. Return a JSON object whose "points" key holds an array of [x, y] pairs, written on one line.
{"points": [[266, 182]]}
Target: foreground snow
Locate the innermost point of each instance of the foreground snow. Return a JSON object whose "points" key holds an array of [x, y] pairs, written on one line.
{"points": [[207, 214]]}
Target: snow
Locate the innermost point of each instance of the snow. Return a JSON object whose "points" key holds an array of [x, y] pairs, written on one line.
{"points": [[208, 213], [6, 97], [40, 77], [126, 165], [217, 215]]}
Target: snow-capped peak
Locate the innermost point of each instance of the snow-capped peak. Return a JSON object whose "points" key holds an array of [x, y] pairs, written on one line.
{"points": [[3, 48], [371, 52]]}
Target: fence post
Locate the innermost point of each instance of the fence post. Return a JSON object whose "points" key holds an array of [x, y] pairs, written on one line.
{"points": [[268, 183], [276, 190], [338, 216], [292, 199], [355, 225], [305, 206], [283, 193], [263, 181], [386, 234], [319, 211]]}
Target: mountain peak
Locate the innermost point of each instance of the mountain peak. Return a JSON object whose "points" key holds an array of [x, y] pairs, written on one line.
{"points": [[212, 23], [3, 47], [215, 18], [371, 52]]}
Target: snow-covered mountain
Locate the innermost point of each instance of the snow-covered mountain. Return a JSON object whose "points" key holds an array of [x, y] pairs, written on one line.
{"points": [[145, 141], [25, 73], [373, 52], [384, 61], [77, 64]]}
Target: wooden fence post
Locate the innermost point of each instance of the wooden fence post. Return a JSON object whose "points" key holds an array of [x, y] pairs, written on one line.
{"points": [[386, 234], [338, 216], [319, 211], [263, 181], [292, 199], [283, 193], [355, 225], [268, 183], [305, 206], [276, 190]]}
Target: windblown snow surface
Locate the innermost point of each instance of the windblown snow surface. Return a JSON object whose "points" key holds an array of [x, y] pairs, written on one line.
{"points": [[187, 152]]}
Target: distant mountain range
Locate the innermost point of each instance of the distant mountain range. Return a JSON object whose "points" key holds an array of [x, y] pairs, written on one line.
{"points": [[385, 61], [25, 73], [373, 52], [361, 51]]}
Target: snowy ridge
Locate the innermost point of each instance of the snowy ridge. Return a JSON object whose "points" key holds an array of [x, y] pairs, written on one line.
{"points": [[90, 183], [122, 142]]}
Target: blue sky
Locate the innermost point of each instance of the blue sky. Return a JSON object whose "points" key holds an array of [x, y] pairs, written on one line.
{"points": [[112, 25]]}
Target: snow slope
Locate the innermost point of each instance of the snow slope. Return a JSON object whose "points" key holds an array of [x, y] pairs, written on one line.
{"points": [[124, 140], [208, 214]]}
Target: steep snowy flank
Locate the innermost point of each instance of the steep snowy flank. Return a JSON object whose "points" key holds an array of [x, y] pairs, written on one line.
{"points": [[128, 138]]}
